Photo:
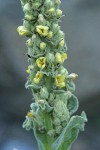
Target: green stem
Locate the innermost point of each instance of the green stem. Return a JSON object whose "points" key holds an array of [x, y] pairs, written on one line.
{"points": [[44, 140]]}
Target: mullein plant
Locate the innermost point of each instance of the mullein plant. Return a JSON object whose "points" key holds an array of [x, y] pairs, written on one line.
{"points": [[51, 114]]}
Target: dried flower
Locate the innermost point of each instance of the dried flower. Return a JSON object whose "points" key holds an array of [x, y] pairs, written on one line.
{"points": [[73, 76]]}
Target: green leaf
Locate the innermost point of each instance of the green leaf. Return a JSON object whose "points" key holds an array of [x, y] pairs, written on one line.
{"points": [[73, 104], [70, 132]]}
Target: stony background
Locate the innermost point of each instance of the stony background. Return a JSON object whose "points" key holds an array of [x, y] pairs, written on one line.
{"points": [[81, 25]]}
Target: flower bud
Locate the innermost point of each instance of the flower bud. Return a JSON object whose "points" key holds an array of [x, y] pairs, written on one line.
{"points": [[36, 5], [51, 10], [41, 101], [61, 43], [27, 8], [29, 115], [63, 71], [33, 37], [61, 111], [29, 69], [42, 45], [40, 19], [56, 28], [44, 93], [48, 3], [38, 77], [27, 25], [61, 33], [51, 133], [30, 43], [58, 129], [50, 35], [50, 58], [59, 12], [56, 121], [28, 17]]}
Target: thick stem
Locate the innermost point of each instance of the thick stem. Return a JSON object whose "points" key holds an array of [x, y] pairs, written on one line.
{"points": [[44, 140]]}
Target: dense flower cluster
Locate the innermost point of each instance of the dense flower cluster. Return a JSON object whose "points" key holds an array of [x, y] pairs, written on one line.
{"points": [[51, 84]]}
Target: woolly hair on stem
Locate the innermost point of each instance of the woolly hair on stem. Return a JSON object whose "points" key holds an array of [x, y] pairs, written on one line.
{"points": [[51, 114]]}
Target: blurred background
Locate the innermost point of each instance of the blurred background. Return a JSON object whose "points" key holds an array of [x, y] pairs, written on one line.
{"points": [[81, 25]]}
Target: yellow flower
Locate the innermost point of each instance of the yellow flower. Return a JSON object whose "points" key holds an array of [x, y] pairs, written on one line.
{"points": [[42, 30], [29, 69], [61, 43], [41, 62], [59, 12], [60, 58], [38, 77], [42, 45], [29, 114], [23, 31], [51, 10], [60, 81], [50, 35]]}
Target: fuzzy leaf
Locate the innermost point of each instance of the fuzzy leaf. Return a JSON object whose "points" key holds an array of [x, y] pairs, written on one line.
{"points": [[70, 132], [71, 86], [73, 104], [34, 86], [44, 93]]}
